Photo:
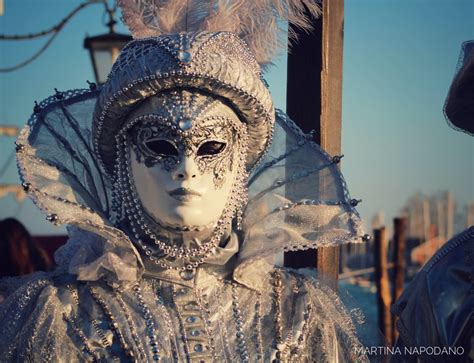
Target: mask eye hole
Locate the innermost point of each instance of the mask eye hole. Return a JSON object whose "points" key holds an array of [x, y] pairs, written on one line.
{"points": [[211, 148], [162, 147]]}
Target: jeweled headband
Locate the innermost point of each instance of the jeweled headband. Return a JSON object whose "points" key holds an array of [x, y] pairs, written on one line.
{"points": [[182, 123], [218, 63]]}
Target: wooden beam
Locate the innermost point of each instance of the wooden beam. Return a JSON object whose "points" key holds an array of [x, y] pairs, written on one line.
{"points": [[314, 102], [383, 284], [399, 238]]}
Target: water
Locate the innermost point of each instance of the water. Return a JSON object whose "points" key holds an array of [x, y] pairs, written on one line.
{"points": [[363, 298]]}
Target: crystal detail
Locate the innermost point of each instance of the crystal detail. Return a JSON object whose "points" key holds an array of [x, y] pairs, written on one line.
{"points": [[198, 348], [187, 274], [191, 319], [185, 124], [184, 56], [195, 332]]}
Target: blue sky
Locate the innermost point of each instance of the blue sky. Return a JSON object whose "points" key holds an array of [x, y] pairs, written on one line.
{"points": [[399, 59]]}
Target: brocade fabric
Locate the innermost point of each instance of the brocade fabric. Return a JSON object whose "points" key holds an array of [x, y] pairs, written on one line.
{"points": [[199, 317]]}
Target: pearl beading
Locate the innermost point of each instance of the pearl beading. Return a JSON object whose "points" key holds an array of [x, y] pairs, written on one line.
{"points": [[258, 327], [86, 346], [160, 302], [114, 326], [239, 322], [130, 322], [99, 331], [277, 293], [150, 324]]}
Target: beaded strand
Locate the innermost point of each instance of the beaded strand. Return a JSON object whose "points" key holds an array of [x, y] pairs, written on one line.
{"points": [[169, 324], [86, 347], [258, 327], [237, 314], [150, 324], [114, 326], [277, 292], [94, 323], [130, 322]]}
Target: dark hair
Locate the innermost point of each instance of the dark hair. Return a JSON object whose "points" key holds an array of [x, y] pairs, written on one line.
{"points": [[19, 255]]}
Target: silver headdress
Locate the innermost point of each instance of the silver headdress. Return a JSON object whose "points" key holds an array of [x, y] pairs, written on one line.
{"points": [[297, 198], [218, 63]]}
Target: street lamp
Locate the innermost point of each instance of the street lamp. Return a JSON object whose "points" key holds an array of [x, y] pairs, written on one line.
{"points": [[105, 48]]}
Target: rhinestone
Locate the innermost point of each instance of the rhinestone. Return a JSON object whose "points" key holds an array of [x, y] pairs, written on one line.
{"points": [[26, 187], [53, 218], [354, 202], [187, 274], [195, 332], [185, 124], [198, 348], [192, 319], [184, 56], [336, 159]]}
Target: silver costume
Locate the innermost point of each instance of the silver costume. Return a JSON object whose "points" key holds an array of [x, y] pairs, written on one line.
{"points": [[282, 315], [130, 288]]}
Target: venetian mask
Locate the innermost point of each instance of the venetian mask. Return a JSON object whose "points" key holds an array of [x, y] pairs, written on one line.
{"points": [[186, 150]]}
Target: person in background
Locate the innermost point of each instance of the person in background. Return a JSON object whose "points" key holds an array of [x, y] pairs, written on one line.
{"points": [[19, 255], [436, 310]]}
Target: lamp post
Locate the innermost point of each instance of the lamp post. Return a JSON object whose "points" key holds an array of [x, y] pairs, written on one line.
{"points": [[105, 48]]}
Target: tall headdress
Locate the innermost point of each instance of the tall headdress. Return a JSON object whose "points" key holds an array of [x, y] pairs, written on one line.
{"points": [[218, 46]]}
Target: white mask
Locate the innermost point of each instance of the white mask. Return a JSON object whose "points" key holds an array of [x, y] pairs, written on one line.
{"points": [[186, 150]]}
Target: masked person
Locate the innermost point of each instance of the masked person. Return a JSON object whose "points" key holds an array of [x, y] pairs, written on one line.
{"points": [[436, 310], [178, 201]]}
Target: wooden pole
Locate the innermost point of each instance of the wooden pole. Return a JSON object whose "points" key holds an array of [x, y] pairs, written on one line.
{"points": [[314, 99], [399, 237], [382, 283]]}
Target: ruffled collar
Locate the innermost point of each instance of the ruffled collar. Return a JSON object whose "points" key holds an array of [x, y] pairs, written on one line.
{"points": [[297, 197], [91, 257]]}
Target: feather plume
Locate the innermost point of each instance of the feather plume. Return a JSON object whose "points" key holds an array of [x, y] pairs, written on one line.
{"points": [[262, 24]]}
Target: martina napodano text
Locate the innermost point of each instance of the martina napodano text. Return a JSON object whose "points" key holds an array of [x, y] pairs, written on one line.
{"points": [[384, 350]]}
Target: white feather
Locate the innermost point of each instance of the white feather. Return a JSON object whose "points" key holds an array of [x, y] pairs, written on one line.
{"points": [[262, 24]]}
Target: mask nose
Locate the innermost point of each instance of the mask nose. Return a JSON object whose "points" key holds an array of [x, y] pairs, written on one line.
{"points": [[186, 170]]}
